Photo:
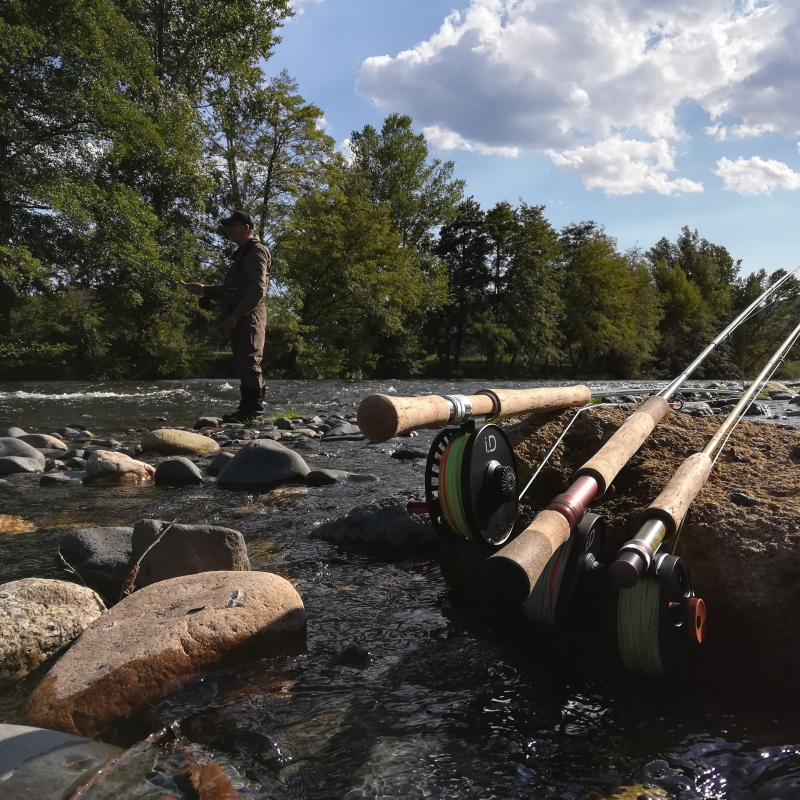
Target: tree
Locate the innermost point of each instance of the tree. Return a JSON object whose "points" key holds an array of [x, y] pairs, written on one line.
{"points": [[349, 279], [420, 195], [696, 280], [604, 318], [464, 247], [272, 148]]}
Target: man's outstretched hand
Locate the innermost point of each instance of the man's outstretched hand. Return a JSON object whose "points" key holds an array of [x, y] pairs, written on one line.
{"points": [[194, 288]]}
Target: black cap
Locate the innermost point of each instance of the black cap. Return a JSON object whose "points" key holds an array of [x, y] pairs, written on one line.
{"points": [[237, 217]]}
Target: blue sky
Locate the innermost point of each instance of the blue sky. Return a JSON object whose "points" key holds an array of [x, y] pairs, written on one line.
{"points": [[644, 115]]}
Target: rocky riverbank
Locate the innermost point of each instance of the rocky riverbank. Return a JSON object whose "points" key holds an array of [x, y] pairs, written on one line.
{"points": [[192, 604]]}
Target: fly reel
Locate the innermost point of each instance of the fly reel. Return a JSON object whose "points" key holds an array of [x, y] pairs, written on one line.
{"points": [[571, 575], [471, 484], [659, 618]]}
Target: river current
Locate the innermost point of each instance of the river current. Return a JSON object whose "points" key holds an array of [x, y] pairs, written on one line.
{"points": [[448, 707]]}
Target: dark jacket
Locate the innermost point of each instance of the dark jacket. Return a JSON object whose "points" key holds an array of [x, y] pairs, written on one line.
{"points": [[244, 287]]}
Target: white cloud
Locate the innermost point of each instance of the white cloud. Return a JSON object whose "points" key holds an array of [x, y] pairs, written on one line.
{"points": [[756, 176], [346, 150], [446, 139], [563, 74], [626, 166], [722, 132]]}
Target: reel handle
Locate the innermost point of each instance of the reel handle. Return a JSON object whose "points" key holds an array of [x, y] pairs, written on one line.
{"points": [[381, 417]]}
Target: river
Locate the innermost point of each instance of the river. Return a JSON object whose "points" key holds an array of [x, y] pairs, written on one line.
{"points": [[447, 708]]}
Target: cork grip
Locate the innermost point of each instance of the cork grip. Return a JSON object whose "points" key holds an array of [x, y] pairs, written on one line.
{"points": [[617, 451], [510, 574], [536, 401], [381, 417], [680, 492]]}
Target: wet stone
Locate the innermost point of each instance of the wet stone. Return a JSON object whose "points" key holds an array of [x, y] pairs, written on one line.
{"points": [[101, 556], [218, 462], [12, 433], [178, 471]]}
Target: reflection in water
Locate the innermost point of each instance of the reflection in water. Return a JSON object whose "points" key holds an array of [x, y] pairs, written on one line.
{"points": [[446, 709]]}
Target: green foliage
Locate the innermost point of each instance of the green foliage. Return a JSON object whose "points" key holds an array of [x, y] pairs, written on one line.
{"points": [[350, 282], [610, 309]]}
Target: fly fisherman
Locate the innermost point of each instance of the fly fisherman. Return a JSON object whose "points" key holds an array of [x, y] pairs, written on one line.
{"points": [[242, 294]]}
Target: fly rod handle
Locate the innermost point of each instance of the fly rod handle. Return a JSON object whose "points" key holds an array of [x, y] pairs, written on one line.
{"points": [[513, 402], [605, 465], [673, 502], [508, 576], [381, 417]]}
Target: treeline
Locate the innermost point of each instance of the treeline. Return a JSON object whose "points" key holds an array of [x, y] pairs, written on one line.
{"points": [[128, 127]]}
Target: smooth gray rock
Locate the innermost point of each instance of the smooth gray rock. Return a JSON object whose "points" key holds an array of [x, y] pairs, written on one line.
{"points": [[12, 433], [38, 764], [328, 477], [343, 430], [60, 479], [101, 556], [66, 433], [698, 409], [4, 484], [76, 463], [19, 456], [178, 471], [207, 422], [283, 424], [185, 550], [262, 465], [218, 462], [757, 410], [383, 526], [780, 394]]}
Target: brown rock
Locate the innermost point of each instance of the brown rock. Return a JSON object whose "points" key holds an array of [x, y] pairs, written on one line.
{"points": [[37, 616], [185, 550], [106, 466], [171, 442], [155, 640]]}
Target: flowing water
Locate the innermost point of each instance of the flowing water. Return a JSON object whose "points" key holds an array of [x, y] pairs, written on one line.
{"points": [[447, 707]]}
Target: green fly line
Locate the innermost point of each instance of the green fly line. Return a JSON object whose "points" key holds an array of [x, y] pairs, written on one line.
{"points": [[450, 495], [637, 627]]}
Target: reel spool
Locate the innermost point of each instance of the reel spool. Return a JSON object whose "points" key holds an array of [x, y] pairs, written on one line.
{"points": [[659, 618], [570, 576], [471, 485]]}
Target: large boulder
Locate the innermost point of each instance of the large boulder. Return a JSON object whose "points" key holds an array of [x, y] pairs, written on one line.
{"points": [[42, 441], [343, 430], [178, 471], [185, 550], [261, 465], [104, 466], [101, 556], [171, 442], [37, 616], [159, 637], [19, 456], [384, 525]]}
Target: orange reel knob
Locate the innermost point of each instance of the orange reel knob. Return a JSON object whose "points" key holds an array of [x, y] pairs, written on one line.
{"points": [[697, 620]]}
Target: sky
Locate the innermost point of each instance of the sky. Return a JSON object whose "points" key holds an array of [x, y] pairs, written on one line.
{"points": [[643, 115]]}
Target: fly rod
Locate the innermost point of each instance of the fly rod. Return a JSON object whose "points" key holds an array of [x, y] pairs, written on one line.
{"points": [[381, 417], [510, 575], [663, 517]]}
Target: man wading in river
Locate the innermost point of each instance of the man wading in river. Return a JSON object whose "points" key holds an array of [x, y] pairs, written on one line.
{"points": [[242, 294]]}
